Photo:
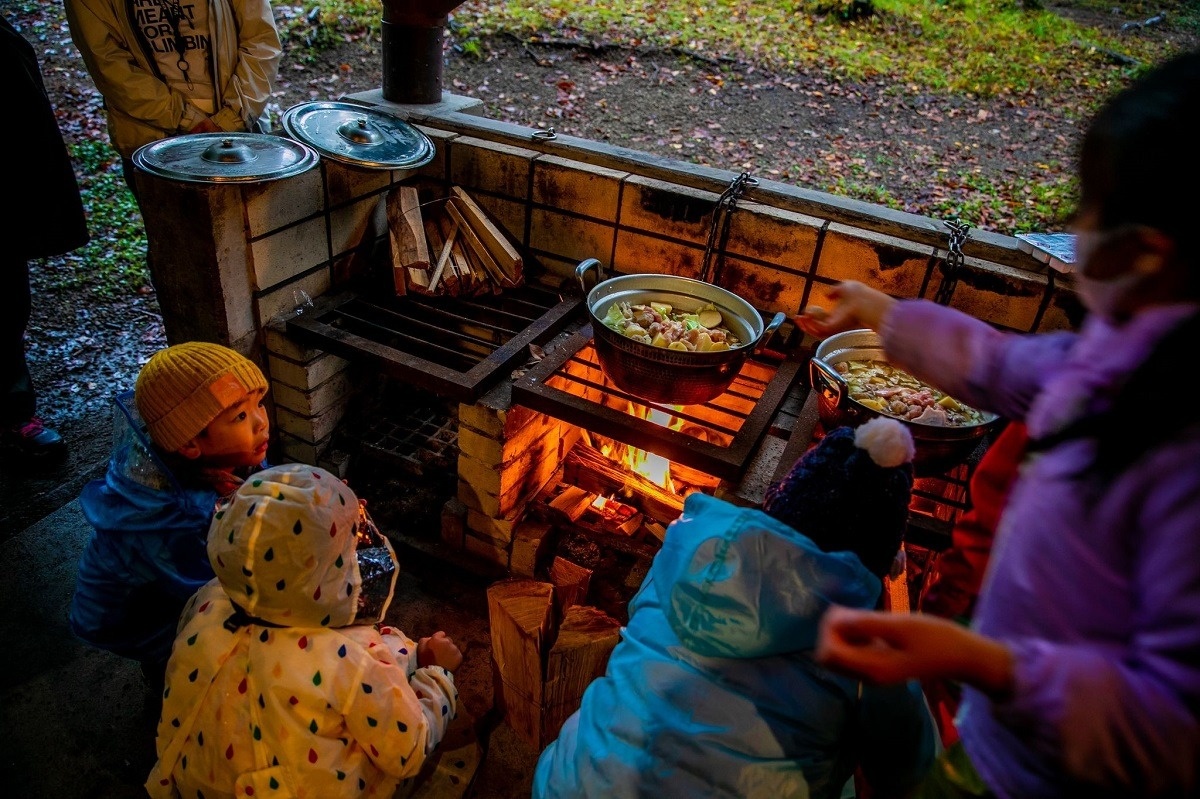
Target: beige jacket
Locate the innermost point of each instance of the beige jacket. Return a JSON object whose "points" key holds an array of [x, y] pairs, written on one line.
{"points": [[141, 107]]}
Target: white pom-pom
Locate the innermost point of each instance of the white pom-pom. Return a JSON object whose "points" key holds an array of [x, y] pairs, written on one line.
{"points": [[887, 441]]}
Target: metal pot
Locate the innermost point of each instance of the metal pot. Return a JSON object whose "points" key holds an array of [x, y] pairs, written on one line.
{"points": [[657, 374], [937, 448]]}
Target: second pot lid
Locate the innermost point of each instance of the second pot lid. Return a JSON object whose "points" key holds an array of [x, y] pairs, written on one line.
{"points": [[358, 135], [225, 157]]}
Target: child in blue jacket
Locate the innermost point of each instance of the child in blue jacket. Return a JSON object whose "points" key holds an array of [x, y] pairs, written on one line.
{"points": [[192, 429], [713, 690]]}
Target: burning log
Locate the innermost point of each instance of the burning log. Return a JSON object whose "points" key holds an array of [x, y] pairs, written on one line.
{"points": [[586, 468]]}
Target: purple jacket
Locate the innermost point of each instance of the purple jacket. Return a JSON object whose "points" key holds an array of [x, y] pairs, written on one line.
{"points": [[1098, 599]]}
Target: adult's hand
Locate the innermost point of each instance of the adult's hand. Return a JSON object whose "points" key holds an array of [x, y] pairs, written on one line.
{"points": [[887, 647], [205, 125], [858, 305]]}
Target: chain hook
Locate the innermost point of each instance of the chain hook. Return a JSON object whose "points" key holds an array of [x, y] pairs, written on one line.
{"points": [[953, 261], [721, 218]]}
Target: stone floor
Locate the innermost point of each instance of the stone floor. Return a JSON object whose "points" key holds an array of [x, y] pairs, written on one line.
{"points": [[72, 716]]}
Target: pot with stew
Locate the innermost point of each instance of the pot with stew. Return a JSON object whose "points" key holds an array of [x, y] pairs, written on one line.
{"points": [[671, 339], [854, 382]]}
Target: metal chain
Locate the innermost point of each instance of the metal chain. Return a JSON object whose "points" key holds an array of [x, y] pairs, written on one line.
{"points": [[954, 260], [722, 217]]}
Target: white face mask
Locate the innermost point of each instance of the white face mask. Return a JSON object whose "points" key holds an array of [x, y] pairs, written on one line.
{"points": [[1102, 297]]}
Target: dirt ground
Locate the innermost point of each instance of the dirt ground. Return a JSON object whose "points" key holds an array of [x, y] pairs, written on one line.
{"points": [[788, 127]]}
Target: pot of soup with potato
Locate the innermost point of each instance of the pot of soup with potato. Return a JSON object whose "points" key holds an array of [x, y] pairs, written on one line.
{"points": [[669, 339], [854, 382]]}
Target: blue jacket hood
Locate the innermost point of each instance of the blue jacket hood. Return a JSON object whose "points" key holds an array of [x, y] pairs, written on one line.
{"points": [[139, 491], [736, 582]]}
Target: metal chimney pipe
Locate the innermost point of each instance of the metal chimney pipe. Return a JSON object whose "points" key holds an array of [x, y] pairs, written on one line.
{"points": [[413, 31]]}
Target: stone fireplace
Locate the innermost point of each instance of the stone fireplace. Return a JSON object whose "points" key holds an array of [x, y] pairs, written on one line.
{"points": [[237, 263]]}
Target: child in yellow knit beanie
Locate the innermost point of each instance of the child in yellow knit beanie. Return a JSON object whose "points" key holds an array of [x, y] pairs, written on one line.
{"points": [[190, 432]]}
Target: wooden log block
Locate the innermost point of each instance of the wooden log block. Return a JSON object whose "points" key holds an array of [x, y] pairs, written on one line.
{"points": [[580, 653], [520, 615], [571, 583], [503, 253], [406, 234], [530, 539]]}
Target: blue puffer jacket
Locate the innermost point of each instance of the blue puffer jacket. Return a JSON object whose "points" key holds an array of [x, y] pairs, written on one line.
{"points": [[712, 691], [146, 556]]}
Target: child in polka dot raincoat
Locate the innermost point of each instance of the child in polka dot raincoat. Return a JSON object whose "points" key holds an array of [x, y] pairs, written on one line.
{"points": [[281, 682]]}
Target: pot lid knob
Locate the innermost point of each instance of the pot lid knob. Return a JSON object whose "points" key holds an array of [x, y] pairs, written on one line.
{"points": [[359, 131], [226, 151]]}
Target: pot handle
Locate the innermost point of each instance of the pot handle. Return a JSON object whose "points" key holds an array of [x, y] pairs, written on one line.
{"points": [[828, 381], [769, 331], [582, 270]]}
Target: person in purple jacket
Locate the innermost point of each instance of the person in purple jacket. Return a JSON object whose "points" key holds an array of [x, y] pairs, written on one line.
{"points": [[1081, 668]]}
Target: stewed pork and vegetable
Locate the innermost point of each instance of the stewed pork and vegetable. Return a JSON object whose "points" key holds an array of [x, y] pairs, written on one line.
{"points": [[883, 387], [660, 325]]}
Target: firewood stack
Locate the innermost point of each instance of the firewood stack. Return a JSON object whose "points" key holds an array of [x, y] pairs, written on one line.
{"points": [[448, 247], [542, 664]]}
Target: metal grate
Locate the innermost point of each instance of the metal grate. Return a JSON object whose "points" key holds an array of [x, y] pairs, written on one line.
{"points": [[423, 439], [718, 438], [455, 347]]}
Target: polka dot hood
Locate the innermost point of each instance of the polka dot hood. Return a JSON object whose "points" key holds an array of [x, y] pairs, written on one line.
{"points": [[289, 546], [280, 682]]}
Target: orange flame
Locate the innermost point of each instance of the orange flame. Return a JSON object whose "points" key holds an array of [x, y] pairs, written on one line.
{"points": [[654, 468]]}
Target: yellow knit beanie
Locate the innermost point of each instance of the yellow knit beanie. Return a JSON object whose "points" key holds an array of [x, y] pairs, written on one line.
{"points": [[182, 388]]}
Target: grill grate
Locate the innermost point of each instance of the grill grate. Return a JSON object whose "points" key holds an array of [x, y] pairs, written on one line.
{"points": [[427, 438], [455, 347], [718, 438]]}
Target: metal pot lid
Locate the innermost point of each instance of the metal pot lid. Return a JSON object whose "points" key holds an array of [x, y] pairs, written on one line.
{"points": [[225, 157], [358, 135]]}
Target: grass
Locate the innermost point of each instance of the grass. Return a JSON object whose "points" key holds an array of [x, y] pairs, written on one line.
{"points": [[980, 47], [986, 48], [1012, 50], [113, 263]]}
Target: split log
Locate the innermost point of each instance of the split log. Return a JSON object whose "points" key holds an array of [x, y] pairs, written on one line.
{"points": [[531, 539], [476, 246], [406, 233], [469, 282], [573, 502], [433, 239], [502, 251], [520, 615], [571, 583], [585, 641], [442, 260]]}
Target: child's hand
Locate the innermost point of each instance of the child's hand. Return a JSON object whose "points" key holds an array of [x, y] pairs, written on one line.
{"points": [[858, 305], [439, 650]]}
